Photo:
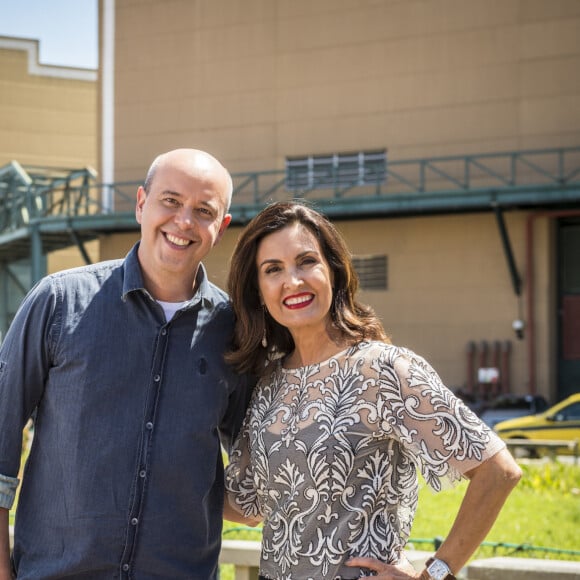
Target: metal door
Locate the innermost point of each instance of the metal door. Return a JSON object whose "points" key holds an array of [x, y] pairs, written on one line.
{"points": [[569, 307]]}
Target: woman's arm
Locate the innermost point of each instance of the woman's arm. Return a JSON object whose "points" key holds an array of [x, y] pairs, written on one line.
{"points": [[233, 515], [489, 486]]}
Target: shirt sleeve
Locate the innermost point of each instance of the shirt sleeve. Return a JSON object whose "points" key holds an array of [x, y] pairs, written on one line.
{"points": [[25, 357], [442, 436], [8, 487]]}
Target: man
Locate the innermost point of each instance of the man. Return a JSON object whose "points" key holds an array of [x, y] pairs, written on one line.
{"points": [[122, 361]]}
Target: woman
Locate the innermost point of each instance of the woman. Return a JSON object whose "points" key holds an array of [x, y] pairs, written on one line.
{"points": [[341, 419]]}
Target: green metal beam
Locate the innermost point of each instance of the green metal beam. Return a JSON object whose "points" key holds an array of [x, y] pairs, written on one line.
{"points": [[79, 244], [37, 256]]}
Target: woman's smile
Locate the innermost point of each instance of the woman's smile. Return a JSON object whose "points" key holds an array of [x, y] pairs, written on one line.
{"points": [[299, 300]]}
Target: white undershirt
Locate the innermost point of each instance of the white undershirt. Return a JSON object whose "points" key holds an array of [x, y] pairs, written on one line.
{"points": [[170, 308]]}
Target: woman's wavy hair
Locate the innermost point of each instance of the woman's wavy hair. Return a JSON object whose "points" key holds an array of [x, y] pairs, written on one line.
{"points": [[354, 321]]}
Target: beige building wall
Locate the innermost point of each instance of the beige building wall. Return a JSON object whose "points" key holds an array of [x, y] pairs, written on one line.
{"points": [[47, 113], [256, 81], [48, 118]]}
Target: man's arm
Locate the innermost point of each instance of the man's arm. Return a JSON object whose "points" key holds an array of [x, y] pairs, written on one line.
{"points": [[5, 567]]}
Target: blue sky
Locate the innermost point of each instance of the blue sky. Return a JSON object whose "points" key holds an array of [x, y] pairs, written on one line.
{"points": [[66, 29]]}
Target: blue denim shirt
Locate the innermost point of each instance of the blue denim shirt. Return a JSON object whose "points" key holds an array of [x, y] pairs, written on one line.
{"points": [[125, 475]]}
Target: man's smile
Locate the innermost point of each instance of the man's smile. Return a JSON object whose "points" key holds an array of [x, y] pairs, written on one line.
{"points": [[177, 240]]}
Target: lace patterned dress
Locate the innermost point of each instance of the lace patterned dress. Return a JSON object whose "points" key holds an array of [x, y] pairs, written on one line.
{"points": [[328, 457]]}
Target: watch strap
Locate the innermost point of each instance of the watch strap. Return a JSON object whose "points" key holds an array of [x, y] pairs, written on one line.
{"points": [[430, 561]]}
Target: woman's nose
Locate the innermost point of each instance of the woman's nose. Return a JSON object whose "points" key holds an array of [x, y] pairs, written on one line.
{"points": [[293, 278]]}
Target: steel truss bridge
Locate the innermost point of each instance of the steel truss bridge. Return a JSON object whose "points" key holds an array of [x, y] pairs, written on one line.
{"points": [[44, 209]]}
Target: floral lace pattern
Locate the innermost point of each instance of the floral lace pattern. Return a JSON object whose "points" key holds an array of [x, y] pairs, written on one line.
{"points": [[328, 457]]}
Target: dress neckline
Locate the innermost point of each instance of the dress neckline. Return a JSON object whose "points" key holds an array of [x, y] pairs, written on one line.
{"points": [[324, 362]]}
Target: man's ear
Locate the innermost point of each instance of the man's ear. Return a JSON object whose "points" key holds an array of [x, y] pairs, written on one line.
{"points": [[223, 227], [141, 197]]}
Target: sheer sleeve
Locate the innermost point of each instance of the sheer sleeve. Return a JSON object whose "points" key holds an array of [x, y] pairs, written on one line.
{"points": [[241, 492], [442, 436]]}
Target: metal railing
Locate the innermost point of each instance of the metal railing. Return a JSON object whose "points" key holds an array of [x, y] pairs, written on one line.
{"points": [[29, 195], [550, 168]]}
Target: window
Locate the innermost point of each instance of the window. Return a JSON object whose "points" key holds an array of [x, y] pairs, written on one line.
{"points": [[336, 170], [372, 271]]}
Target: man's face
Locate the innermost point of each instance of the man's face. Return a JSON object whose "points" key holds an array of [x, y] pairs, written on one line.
{"points": [[182, 217]]}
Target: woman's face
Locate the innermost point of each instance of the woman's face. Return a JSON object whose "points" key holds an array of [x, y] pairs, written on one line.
{"points": [[295, 280]]}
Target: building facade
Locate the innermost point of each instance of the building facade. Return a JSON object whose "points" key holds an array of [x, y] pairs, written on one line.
{"points": [[260, 81], [476, 266]]}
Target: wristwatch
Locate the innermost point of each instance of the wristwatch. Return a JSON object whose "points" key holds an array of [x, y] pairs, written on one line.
{"points": [[438, 570]]}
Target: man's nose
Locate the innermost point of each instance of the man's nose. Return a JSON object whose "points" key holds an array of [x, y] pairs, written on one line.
{"points": [[184, 218]]}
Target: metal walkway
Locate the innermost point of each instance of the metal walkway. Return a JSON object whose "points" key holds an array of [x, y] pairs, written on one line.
{"points": [[44, 209]]}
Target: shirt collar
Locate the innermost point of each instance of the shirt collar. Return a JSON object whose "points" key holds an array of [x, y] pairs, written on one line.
{"points": [[133, 281]]}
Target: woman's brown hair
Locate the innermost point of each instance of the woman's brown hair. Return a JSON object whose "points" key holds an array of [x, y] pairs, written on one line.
{"points": [[354, 321]]}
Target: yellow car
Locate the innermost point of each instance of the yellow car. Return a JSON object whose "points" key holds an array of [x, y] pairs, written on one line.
{"points": [[560, 422]]}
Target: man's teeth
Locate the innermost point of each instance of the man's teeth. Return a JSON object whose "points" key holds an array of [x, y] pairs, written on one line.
{"points": [[177, 241], [298, 300]]}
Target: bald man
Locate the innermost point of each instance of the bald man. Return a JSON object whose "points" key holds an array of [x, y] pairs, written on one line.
{"points": [[122, 361]]}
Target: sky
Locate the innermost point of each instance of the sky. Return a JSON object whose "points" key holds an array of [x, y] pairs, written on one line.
{"points": [[67, 29]]}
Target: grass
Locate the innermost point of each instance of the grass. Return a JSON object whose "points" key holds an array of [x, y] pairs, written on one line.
{"points": [[542, 512]]}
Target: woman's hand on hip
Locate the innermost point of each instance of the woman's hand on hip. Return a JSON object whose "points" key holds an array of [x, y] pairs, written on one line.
{"points": [[403, 570]]}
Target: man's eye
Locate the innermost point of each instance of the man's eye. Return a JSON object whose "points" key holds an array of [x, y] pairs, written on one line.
{"points": [[171, 201]]}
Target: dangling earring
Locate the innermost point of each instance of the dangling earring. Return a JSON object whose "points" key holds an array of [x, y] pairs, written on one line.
{"points": [[264, 337]]}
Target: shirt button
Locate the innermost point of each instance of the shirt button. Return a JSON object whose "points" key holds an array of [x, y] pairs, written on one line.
{"points": [[134, 521], [142, 473], [157, 378], [125, 567], [164, 331], [149, 425]]}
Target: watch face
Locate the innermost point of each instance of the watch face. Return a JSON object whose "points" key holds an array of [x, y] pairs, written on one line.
{"points": [[438, 570]]}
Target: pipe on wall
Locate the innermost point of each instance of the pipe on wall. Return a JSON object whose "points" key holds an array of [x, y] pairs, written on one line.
{"points": [[506, 348], [107, 69]]}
